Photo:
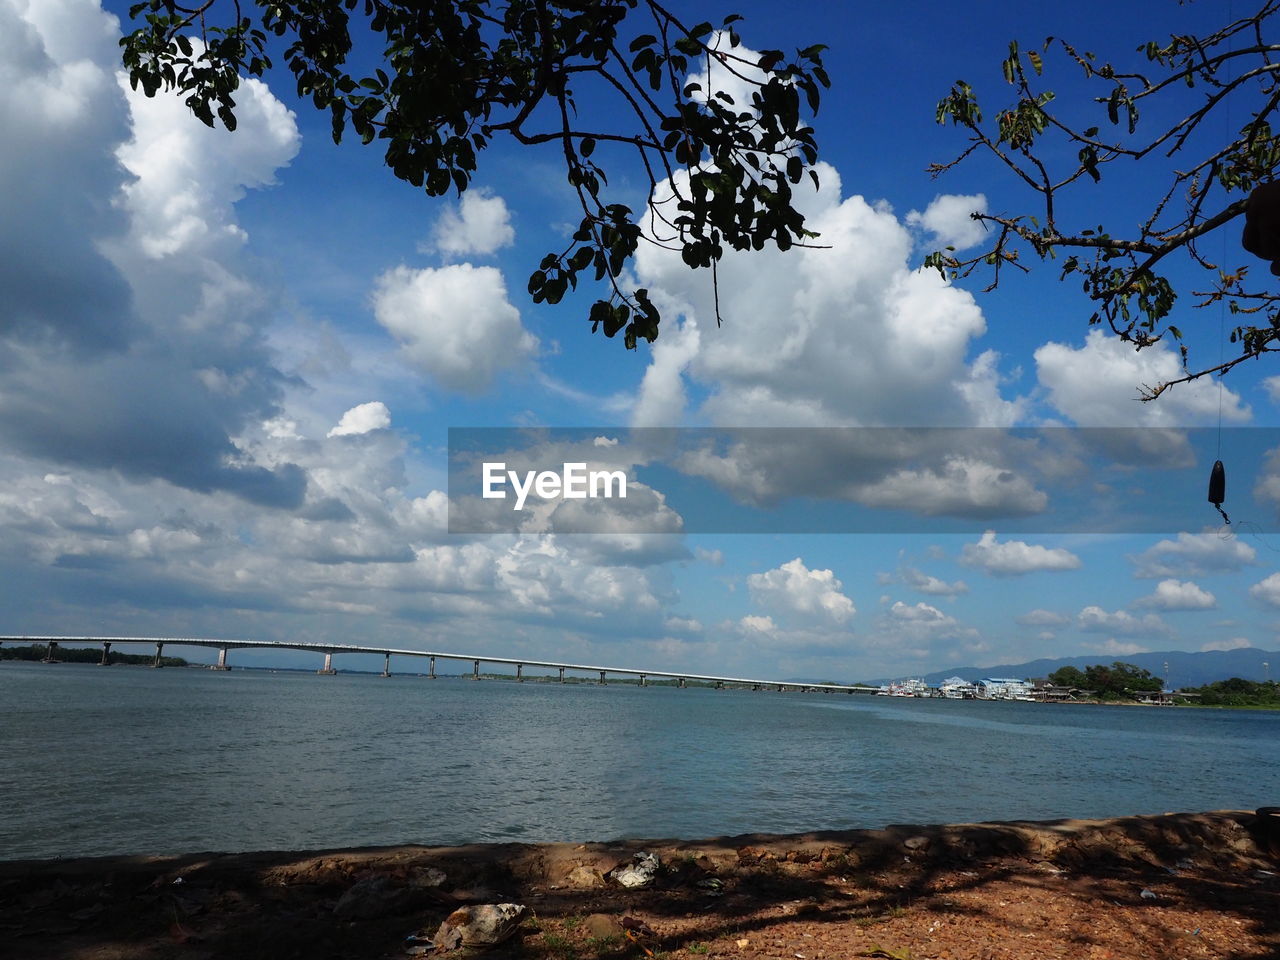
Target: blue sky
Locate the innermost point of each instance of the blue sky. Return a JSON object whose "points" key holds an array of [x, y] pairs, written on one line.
{"points": [[228, 365]]}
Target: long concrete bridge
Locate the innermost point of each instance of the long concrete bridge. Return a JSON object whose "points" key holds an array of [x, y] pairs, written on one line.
{"points": [[332, 649]]}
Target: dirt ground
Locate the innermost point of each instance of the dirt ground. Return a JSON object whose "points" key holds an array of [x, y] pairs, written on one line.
{"points": [[1164, 887]]}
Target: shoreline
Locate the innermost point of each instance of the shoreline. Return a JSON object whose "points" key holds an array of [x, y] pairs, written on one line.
{"points": [[1186, 884]]}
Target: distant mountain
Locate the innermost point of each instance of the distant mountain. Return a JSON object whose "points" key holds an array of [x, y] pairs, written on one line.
{"points": [[1185, 669]]}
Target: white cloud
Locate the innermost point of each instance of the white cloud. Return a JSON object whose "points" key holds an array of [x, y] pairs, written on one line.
{"points": [[1179, 595], [961, 486], [1097, 385], [1043, 618], [362, 419], [1093, 619], [189, 176], [132, 329], [1267, 591], [931, 585], [794, 589], [454, 322], [713, 557], [1235, 643], [1193, 555], [755, 624], [868, 339], [920, 613], [948, 218], [480, 225], [1013, 558], [682, 625], [1114, 648]]}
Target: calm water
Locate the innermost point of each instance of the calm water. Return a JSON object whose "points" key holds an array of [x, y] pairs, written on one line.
{"points": [[133, 760]]}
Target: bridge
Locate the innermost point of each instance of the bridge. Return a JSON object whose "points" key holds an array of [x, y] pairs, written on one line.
{"points": [[330, 650]]}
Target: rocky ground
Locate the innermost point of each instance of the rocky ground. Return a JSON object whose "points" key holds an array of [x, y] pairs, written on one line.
{"points": [[1166, 887]]}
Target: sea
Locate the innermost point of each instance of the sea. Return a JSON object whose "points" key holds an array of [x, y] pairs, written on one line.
{"points": [[132, 760]]}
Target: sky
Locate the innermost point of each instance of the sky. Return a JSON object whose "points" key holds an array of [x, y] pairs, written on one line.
{"points": [[230, 362]]}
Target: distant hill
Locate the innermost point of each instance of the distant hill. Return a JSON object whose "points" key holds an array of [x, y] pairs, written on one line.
{"points": [[1185, 669]]}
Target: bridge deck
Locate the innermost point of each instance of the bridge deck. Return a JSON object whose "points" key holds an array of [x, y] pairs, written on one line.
{"points": [[333, 648]]}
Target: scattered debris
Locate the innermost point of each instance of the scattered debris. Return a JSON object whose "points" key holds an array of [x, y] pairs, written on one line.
{"points": [[480, 926], [639, 872], [1149, 894], [637, 926]]}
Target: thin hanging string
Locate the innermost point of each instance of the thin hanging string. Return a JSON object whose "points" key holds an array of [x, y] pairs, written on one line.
{"points": [[1222, 304], [1225, 533]]}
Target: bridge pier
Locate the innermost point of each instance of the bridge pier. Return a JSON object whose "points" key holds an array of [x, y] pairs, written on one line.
{"points": [[49, 654], [603, 682], [519, 673], [106, 655], [386, 666], [779, 688], [432, 674], [327, 670], [643, 680], [719, 684], [159, 651], [222, 660], [475, 670], [562, 674]]}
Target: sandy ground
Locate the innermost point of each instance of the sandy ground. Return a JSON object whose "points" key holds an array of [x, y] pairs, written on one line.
{"points": [[1164, 887]]}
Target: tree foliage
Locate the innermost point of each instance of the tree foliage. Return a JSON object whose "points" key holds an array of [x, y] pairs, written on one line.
{"points": [[1238, 692], [439, 81], [1120, 680], [1206, 104], [1067, 677]]}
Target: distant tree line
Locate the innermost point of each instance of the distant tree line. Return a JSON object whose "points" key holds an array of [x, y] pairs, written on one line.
{"points": [[38, 651], [1238, 692], [1120, 681]]}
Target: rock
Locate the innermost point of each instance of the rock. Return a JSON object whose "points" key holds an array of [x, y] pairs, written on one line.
{"points": [[481, 926], [640, 871], [584, 878], [601, 926], [373, 897], [916, 843], [428, 877]]}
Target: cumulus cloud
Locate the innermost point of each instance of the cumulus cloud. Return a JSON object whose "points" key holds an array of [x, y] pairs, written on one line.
{"points": [[1097, 385], [1043, 618], [794, 589], [455, 323], [920, 613], [1193, 555], [134, 341], [480, 225], [931, 585], [362, 419], [1115, 648], [1267, 591], [1093, 619], [868, 339], [1235, 643], [948, 219], [1179, 595], [1013, 558], [962, 486]]}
